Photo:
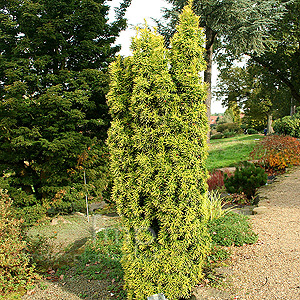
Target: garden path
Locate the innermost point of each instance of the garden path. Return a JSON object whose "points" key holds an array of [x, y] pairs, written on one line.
{"points": [[269, 269]]}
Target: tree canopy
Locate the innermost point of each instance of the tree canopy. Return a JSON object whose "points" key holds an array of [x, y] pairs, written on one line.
{"points": [[234, 27], [282, 60], [256, 92]]}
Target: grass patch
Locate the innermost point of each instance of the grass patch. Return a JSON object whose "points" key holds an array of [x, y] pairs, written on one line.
{"points": [[229, 152]]}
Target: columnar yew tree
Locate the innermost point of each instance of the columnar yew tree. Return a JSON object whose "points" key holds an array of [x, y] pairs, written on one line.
{"points": [[158, 149]]}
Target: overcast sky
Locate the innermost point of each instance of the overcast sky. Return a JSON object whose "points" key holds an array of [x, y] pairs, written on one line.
{"points": [[136, 13]]}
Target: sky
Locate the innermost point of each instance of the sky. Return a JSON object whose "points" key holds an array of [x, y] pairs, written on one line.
{"points": [[139, 11]]}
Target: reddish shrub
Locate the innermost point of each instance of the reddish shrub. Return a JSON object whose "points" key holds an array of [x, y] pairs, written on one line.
{"points": [[277, 152], [216, 179]]}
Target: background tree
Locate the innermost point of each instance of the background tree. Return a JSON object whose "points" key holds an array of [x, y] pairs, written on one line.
{"points": [[53, 77], [256, 92], [282, 60], [232, 114], [233, 27], [158, 149]]}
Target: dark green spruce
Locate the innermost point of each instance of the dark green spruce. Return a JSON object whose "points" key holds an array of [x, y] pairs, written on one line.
{"points": [[53, 112]]}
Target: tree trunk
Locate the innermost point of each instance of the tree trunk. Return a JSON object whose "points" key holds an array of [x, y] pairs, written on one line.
{"points": [[293, 107], [269, 126], [210, 38]]}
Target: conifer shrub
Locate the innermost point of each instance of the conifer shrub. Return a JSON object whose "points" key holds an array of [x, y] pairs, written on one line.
{"points": [[158, 149], [246, 179], [15, 271], [277, 152]]}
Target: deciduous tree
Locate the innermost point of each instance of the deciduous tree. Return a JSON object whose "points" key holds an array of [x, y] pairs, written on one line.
{"points": [[234, 27]]}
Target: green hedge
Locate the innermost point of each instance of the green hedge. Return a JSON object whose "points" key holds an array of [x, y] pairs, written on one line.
{"points": [[288, 125]]}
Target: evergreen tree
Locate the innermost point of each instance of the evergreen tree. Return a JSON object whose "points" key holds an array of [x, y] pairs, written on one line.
{"points": [[157, 143], [53, 113]]}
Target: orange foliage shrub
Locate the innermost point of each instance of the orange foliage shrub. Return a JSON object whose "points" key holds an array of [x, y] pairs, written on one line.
{"points": [[15, 270], [277, 152]]}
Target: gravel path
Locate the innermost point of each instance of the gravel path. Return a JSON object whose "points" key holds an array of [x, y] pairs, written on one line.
{"points": [[270, 269]]}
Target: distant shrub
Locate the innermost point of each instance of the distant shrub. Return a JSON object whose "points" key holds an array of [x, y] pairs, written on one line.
{"points": [[229, 127], [277, 152], [232, 229], [15, 271], [252, 131], [217, 136], [287, 126], [246, 179], [228, 134], [213, 131]]}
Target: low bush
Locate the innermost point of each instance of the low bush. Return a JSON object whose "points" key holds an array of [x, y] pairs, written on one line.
{"points": [[252, 131], [217, 136], [15, 270], [238, 199], [288, 125], [44, 252], [246, 179], [232, 229], [101, 260], [218, 254], [216, 179], [228, 134], [276, 152], [229, 127]]}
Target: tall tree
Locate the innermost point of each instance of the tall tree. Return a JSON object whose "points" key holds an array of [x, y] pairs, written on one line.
{"points": [[259, 94], [235, 27], [53, 112], [158, 148], [283, 59]]}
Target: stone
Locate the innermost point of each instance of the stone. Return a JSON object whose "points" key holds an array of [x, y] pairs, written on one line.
{"points": [[157, 297], [54, 222], [260, 210]]}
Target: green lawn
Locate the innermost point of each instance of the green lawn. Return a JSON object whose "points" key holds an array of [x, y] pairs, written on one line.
{"points": [[230, 151]]}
